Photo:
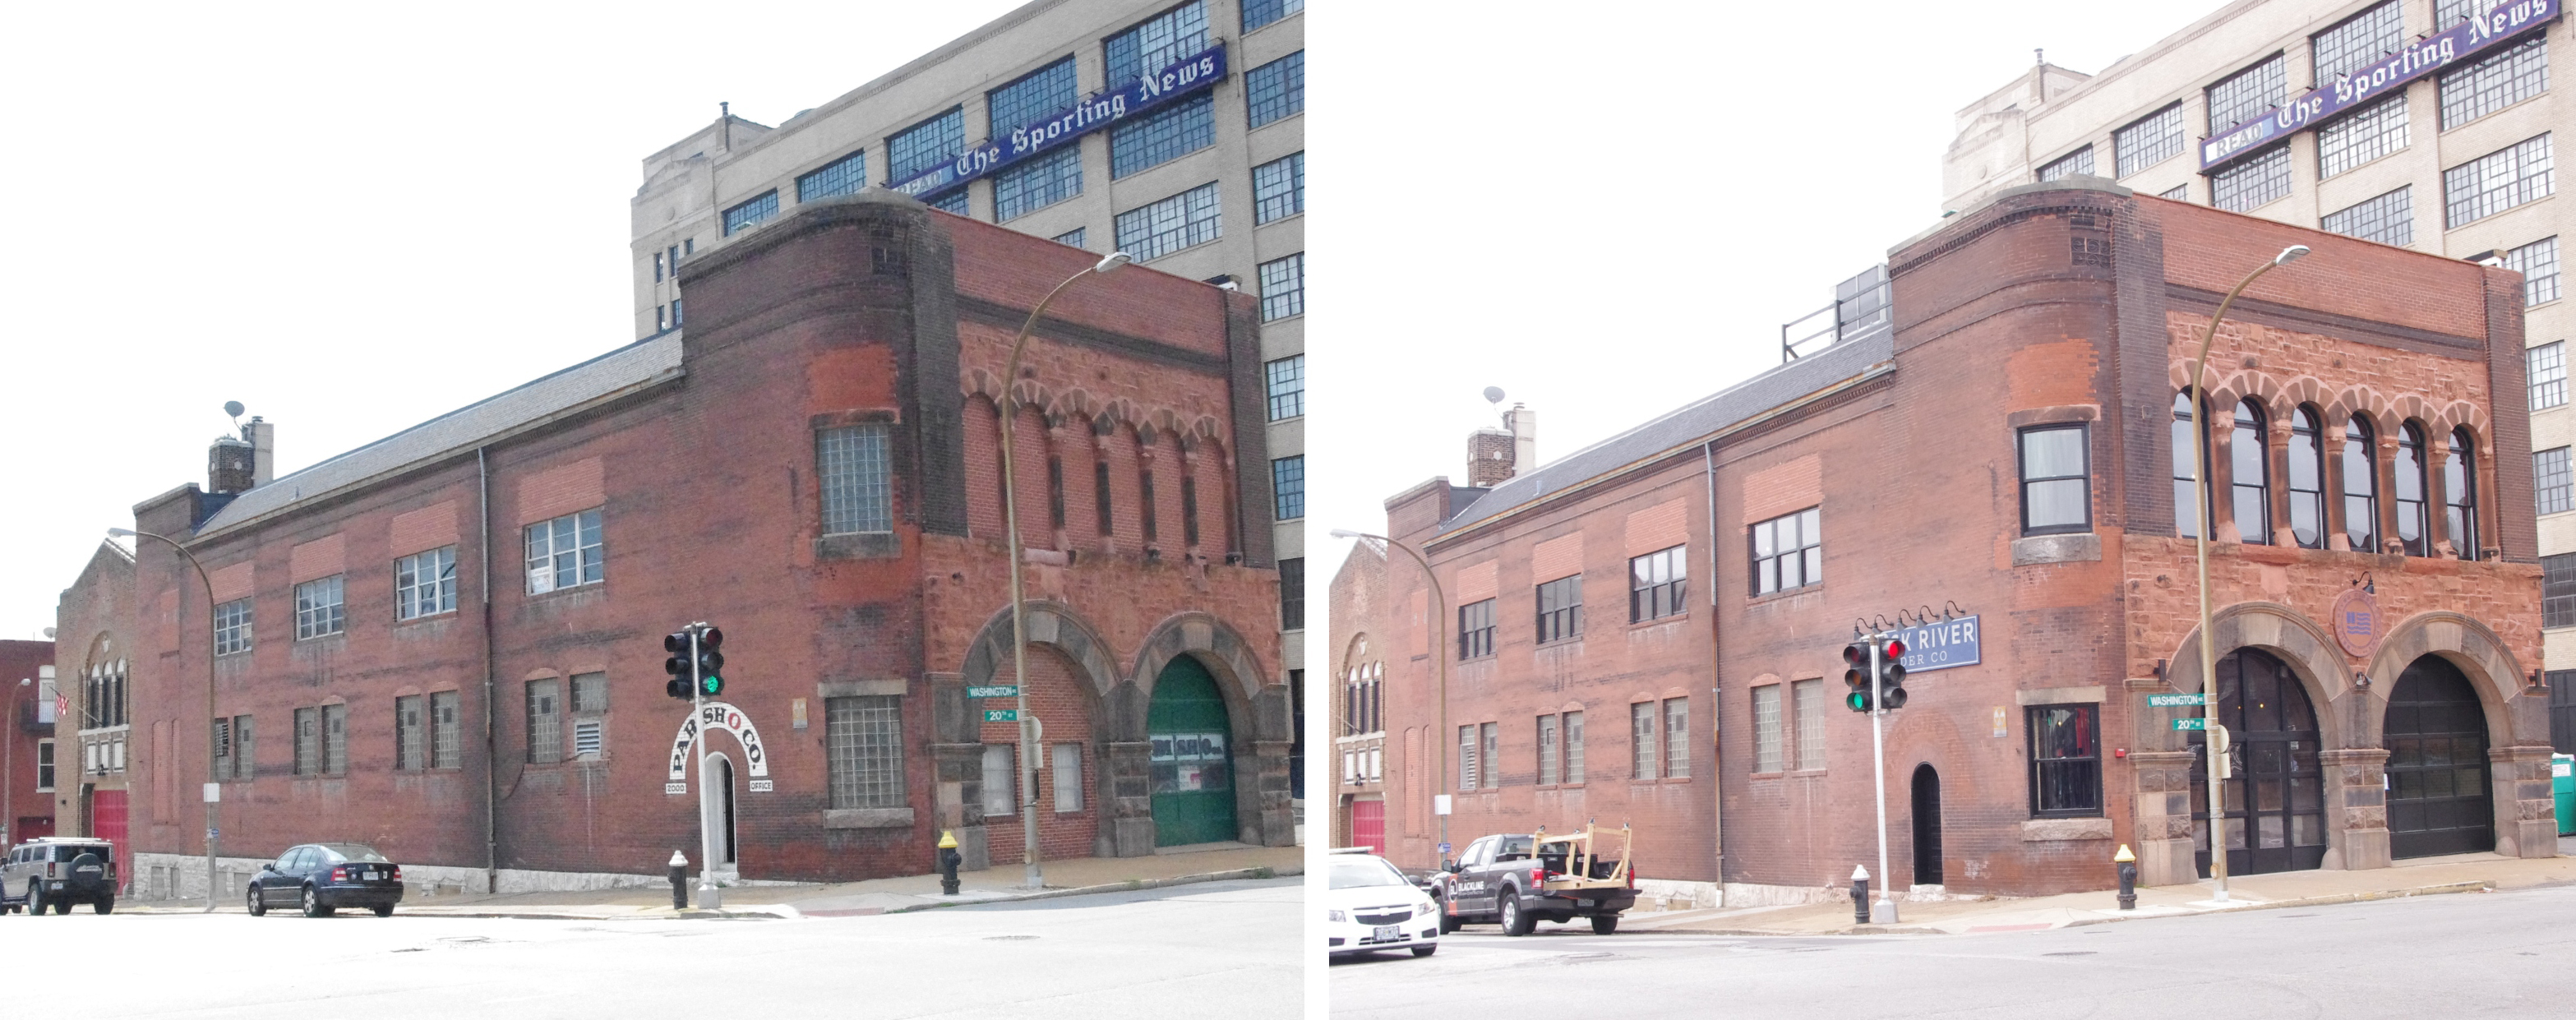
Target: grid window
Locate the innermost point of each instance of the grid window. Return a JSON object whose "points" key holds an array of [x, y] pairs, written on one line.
{"points": [[1031, 97], [2447, 13], [1162, 136], [1548, 752], [245, 749], [2179, 193], [2551, 480], [2548, 374], [1491, 760], [2185, 480], [2387, 219], [1292, 593], [2460, 494], [752, 213], [1257, 13], [1676, 750], [2248, 93], [924, 146], [335, 740], [2496, 82], [1001, 776], [1657, 582], [1766, 728], [1283, 287], [1067, 778], [864, 738], [222, 746], [2359, 41], [1037, 183], [425, 584], [1279, 188], [2056, 480], [446, 731], [1788, 552], [2375, 131], [308, 741], [411, 727], [2409, 474], [2307, 474], [44, 766], [1275, 90], [589, 693], [2538, 264], [1641, 740], [2253, 182], [1152, 231], [319, 611], [2149, 140], [2251, 489], [2065, 761], [1476, 629], [2558, 590], [843, 176], [1467, 757], [952, 203], [676, 315], [545, 721], [566, 552], [1288, 482], [2498, 181], [1574, 747], [1808, 700], [232, 627], [853, 465], [2079, 161], [1287, 380], [1156, 44], [1074, 237], [1560, 609]]}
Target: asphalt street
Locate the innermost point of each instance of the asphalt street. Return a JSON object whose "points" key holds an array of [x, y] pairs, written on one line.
{"points": [[2486, 954], [1219, 948]]}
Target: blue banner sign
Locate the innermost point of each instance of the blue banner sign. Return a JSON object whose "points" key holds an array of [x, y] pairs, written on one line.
{"points": [[2437, 51], [1188, 75], [1940, 644]]}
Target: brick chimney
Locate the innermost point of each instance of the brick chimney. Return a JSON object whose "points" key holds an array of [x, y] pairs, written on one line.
{"points": [[1495, 456], [228, 467]]}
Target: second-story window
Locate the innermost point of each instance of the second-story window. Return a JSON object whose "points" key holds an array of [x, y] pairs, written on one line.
{"points": [[2408, 473], [751, 213], [2460, 494], [2360, 486], [2307, 480], [1560, 609], [425, 584], [1287, 379], [2056, 482], [852, 464], [318, 608], [2514, 175], [1656, 584], [566, 552], [232, 627], [2252, 484], [1476, 629], [2185, 467], [1788, 552]]}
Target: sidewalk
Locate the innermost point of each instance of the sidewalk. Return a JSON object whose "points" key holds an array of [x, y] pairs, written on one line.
{"points": [[998, 884], [2462, 873]]}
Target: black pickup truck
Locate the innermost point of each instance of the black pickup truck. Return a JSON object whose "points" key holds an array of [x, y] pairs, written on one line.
{"points": [[1519, 879]]}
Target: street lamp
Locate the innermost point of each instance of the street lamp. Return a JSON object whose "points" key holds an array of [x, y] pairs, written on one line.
{"points": [[1035, 878], [211, 778], [2214, 737], [9, 770], [1434, 635]]}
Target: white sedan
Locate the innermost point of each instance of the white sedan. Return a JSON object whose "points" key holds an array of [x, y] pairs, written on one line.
{"points": [[1370, 906]]}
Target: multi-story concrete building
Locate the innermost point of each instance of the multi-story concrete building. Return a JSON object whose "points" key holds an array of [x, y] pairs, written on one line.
{"points": [[1175, 133], [448, 642], [1649, 630], [2425, 124], [28, 771]]}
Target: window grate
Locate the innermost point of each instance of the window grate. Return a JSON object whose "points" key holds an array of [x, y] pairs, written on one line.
{"points": [[586, 738]]}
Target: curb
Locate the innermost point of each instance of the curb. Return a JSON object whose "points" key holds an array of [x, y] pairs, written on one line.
{"points": [[1130, 885], [2446, 888]]}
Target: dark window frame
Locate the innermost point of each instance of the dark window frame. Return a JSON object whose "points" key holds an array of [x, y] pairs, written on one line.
{"points": [[2306, 426], [1292, 593], [2558, 591], [1778, 557], [1659, 584], [2088, 740], [2460, 524], [1560, 609], [2084, 475], [1476, 629], [2359, 438], [2411, 447]]}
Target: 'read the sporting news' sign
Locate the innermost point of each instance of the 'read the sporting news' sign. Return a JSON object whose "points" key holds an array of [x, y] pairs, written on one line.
{"points": [[2433, 53], [1185, 76]]}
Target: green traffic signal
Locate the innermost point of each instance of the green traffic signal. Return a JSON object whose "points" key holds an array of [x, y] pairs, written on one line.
{"points": [[1857, 701], [710, 684]]}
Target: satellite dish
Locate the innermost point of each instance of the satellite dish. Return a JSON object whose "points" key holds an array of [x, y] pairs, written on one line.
{"points": [[233, 408], [1493, 395], [49, 633]]}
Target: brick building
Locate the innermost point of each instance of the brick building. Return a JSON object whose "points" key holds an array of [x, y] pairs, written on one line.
{"points": [[28, 772], [813, 467], [1999, 469]]}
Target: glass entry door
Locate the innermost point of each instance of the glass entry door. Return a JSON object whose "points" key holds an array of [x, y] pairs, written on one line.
{"points": [[2276, 799]]}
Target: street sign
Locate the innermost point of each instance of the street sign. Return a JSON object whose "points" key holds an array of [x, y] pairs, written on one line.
{"points": [[2191, 724], [2171, 700], [1444, 849], [1001, 715], [1004, 691]]}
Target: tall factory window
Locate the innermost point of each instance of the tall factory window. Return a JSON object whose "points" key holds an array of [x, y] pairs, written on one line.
{"points": [[2056, 480], [1560, 609], [1788, 552], [2149, 140], [2409, 475], [2361, 486], [2460, 494]]}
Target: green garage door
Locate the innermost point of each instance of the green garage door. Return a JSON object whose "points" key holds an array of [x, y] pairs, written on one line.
{"points": [[1193, 770]]}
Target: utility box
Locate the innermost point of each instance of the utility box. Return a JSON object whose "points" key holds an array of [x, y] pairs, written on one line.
{"points": [[2562, 778]]}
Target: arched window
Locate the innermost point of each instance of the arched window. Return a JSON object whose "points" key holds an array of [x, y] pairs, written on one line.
{"points": [[2186, 520], [2409, 474], [2307, 480], [2460, 494], [2252, 485], [2360, 486]]}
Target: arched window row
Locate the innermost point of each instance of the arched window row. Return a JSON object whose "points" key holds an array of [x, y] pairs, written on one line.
{"points": [[1103, 482], [2428, 474]]}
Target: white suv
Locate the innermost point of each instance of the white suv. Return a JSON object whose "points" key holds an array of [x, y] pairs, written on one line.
{"points": [[58, 871]]}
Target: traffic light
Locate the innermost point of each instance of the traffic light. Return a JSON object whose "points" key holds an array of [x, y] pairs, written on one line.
{"points": [[1891, 673], [1856, 677], [677, 665], [710, 661], [1890, 678]]}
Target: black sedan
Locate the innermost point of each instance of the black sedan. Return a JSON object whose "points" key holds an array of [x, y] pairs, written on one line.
{"points": [[320, 878]]}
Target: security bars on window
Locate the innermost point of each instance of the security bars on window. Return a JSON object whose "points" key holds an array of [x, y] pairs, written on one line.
{"points": [[1275, 90], [565, 552], [318, 608], [2372, 132], [865, 738], [1190, 218], [2496, 82], [2387, 219], [1157, 43], [1283, 287], [926, 145], [2498, 181], [1279, 188], [1162, 136], [2149, 140], [852, 463], [2079, 161], [1788, 552], [425, 584], [2252, 183], [2538, 264]]}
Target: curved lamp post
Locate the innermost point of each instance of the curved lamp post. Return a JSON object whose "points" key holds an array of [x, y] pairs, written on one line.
{"points": [[1035, 877], [211, 778], [2200, 414], [1439, 662]]}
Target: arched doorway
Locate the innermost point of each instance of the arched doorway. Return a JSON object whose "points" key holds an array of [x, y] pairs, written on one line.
{"points": [[2276, 797], [2438, 798], [1191, 761], [1927, 825], [716, 813]]}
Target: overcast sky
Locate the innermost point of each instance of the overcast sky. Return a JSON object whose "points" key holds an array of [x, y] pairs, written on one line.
{"points": [[352, 218]]}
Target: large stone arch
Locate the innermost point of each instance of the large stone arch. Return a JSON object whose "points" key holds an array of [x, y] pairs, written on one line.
{"points": [[2518, 749], [1256, 709], [1049, 623], [2287, 634]]}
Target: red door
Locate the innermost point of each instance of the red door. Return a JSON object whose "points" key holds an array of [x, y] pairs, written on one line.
{"points": [[33, 826], [1368, 825], [109, 816]]}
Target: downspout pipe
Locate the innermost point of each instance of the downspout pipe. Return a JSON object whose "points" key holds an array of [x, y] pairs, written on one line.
{"points": [[491, 668], [1716, 698]]}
